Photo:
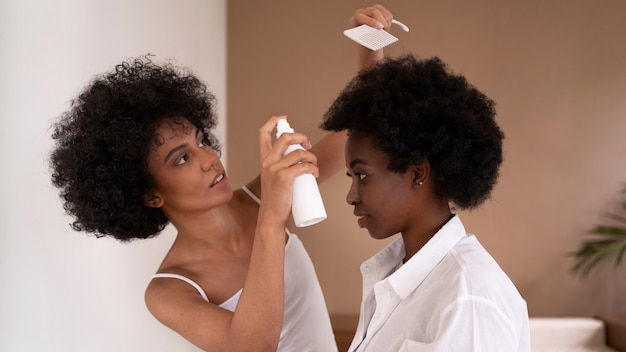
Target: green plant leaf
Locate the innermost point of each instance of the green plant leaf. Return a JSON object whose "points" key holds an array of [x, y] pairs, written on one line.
{"points": [[606, 242]]}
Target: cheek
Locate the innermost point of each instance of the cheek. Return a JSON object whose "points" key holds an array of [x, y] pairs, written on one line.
{"points": [[389, 202], [381, 200], [174, 184], [388, 193]]}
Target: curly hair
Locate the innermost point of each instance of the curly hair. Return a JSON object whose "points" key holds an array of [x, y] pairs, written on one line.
{"points": [[99, 161], [418, 110]]}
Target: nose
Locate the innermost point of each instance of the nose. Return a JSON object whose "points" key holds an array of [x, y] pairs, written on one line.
{"points": [[209, 160], [353, 196]]}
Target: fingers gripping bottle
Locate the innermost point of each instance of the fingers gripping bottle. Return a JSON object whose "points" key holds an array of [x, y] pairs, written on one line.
{"points": [[307, 206]]}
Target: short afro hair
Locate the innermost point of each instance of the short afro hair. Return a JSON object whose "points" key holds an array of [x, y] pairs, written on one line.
{"points": [[99, 161], [417, 110]]}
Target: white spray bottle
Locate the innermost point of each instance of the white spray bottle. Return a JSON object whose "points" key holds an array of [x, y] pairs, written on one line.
{"points": [[307, 206]]}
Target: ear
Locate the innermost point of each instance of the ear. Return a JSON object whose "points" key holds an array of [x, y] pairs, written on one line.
{"points": [[420, 173], [152, 200]]}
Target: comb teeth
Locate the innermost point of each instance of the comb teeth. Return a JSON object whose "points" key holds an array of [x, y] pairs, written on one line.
{"points": [[371, 38]]}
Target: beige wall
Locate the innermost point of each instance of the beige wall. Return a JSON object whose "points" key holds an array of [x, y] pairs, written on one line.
{"points": [[61, 290], [557, 70]]}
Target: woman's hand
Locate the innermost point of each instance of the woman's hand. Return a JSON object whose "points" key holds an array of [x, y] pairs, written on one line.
{"points": [[376, 16], [278, 172]]}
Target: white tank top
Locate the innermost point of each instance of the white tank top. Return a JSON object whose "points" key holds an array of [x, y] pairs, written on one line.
{"points": [[306, 324]]}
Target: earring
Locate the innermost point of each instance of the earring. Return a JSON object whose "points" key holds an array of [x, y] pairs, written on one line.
{"points": [[417, 185]]}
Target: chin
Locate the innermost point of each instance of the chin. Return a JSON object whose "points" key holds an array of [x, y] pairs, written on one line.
{"points": [[225, 195], [379, 236], [230, 192]]}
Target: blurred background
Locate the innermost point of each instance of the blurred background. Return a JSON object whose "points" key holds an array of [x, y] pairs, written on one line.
{"points": [[554, 68]]}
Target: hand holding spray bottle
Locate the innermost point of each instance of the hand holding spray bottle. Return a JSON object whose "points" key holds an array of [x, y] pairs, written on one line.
{"points": [[307, 206]]}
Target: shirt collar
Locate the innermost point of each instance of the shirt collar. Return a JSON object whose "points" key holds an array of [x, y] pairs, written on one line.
{"points": [[406, 279], [383, 263]]}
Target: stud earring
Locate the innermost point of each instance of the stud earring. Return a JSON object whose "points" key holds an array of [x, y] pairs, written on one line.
{"points": [[417, 185]]}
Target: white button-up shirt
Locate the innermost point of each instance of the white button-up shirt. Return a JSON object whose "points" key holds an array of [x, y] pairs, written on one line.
{"points": [[450, 296]]}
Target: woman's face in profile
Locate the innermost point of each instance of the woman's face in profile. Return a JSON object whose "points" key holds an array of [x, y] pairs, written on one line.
{"points": [[381, 198]]}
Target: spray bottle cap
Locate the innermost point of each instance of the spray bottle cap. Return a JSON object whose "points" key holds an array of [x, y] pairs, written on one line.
{"points": [[283, 127]]}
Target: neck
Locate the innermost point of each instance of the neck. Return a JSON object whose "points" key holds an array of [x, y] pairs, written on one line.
{"points": [[212, 228], [219, 227], [426, 226]]}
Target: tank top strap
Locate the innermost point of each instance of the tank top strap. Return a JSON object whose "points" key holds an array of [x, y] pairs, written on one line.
{"points": [[186, 279], [256, 199], [252, 195]]}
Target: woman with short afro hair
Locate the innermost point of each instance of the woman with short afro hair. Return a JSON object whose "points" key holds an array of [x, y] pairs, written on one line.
{"points": [[426, 114], [422, 140]]}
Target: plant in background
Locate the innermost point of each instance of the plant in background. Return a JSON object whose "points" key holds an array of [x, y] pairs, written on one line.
{"points": [[606, 242]]}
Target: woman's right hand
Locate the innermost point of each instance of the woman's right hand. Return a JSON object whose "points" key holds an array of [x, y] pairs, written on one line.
{"points": [[278, 172]]}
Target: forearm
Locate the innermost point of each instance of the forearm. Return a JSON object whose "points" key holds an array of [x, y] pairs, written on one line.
{"points": [[367, 57], [330, 149], [376, 16], [329, 152], [257, 321]]}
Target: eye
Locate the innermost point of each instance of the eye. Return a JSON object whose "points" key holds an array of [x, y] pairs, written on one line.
{"points": [[361, 176], [183, 159]]}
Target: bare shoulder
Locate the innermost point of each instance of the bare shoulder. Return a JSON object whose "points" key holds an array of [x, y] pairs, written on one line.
{"points": [[165, 296], [179, 306]]}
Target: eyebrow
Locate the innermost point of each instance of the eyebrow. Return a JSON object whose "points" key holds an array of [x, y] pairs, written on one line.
{"points": [[182, 146], [355, 162]]}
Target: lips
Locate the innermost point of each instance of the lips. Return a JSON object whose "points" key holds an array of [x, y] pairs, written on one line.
{"points": [[218, 179], [362, 219]]}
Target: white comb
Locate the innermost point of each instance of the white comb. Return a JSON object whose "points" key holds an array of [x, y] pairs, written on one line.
{"points": [[372, 38]]}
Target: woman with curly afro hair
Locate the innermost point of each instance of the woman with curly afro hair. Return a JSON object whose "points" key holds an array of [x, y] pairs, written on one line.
{"points": [[135, 153], [422, 140]]}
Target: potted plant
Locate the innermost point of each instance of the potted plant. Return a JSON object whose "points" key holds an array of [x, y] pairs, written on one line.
{"points": [[606, 242]]}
